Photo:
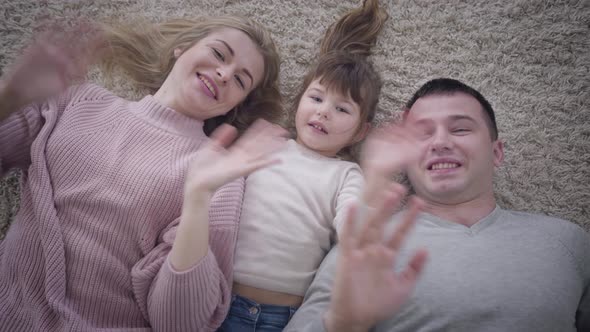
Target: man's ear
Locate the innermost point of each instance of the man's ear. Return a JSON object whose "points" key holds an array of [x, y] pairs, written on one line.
{"points": [[362, 132], [498, 150]]}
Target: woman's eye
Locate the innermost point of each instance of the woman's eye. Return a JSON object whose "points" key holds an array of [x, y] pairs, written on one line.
{"points": [[343, 110], [240, 82], [218, 54], [316, 99]]}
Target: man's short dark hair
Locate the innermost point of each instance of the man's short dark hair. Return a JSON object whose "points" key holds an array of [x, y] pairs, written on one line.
{"points": [[448, 86]]}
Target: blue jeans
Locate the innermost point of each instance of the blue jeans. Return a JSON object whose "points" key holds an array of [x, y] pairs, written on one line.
{"points": [[246, 315]]}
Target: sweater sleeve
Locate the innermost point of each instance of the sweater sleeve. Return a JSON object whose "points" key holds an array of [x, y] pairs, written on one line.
{"points": [[309, 317], [20, 129], [349, 192], [197, 299], [17, 133]]}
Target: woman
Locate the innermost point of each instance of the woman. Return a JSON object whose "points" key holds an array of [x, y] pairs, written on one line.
{"points": [[102, 190]]}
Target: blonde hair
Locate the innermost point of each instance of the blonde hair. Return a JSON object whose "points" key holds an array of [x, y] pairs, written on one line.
{"points": [[145, 52], [343, 63]]}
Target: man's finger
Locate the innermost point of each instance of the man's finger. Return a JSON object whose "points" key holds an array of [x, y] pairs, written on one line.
{"points": [[373, 229], [415, 267], [407, 223], [347, 238]]}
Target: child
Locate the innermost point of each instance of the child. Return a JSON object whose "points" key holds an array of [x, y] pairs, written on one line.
{"points": [[293, 211]]}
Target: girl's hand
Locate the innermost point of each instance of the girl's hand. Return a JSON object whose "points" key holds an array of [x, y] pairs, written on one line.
{"points": [[49, 65], [366, 288], [220, 161]]}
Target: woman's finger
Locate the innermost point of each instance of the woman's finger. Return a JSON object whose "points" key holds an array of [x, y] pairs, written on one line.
{"points": [[251, 167], [224, 135]]}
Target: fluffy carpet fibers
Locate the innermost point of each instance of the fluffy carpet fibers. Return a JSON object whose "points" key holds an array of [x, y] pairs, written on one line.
{"points": [[530, 58]]}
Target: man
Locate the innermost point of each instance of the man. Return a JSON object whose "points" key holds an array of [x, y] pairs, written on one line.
{"points": [[488, 269]]}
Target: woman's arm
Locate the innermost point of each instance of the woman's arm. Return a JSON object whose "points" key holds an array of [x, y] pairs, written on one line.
{"points": [[185, 282], [8, 102], [55, 59], [214, 166], [196, 299], [45, 69], [356, 285]]}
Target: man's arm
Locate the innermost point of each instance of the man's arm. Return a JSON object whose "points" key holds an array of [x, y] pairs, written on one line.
{"points": [[359, 275], [583, 313], [581, 243]]}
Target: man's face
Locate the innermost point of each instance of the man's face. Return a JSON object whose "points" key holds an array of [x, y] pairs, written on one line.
{"points": [[457, 155]]}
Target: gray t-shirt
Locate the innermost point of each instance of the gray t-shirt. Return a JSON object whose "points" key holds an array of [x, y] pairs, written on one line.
{"points": [[511, 271]]}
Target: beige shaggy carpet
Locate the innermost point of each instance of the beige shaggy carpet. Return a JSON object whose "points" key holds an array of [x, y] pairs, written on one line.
{"points": [[530, 58]]}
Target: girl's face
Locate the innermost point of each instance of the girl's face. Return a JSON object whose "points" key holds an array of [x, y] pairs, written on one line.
{"points": [[213, 76], [326, 121]]}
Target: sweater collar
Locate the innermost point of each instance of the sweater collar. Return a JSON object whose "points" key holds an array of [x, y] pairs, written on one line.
{"points": [[160, 116]]}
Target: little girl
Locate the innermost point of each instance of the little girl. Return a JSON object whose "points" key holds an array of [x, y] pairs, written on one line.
{"points": [[292, 211]]}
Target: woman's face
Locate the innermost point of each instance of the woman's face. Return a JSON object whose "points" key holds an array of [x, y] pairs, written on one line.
{"points": [[213, 76]]}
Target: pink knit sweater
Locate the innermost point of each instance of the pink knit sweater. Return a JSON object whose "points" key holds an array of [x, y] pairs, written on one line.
{"points": [[101, 198]]}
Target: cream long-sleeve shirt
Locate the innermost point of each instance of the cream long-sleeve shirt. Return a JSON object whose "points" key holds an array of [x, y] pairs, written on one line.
{"points": [[289, 218]]}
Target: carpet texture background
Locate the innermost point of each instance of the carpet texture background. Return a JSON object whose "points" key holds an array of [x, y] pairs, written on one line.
{"points": [[530, 58]]}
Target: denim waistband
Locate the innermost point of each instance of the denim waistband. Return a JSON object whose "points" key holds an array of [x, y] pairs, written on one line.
{"points": [[238, 300]]}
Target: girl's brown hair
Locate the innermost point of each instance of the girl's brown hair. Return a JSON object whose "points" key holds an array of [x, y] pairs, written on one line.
{"points": [[145, 52], [343, 64]]}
